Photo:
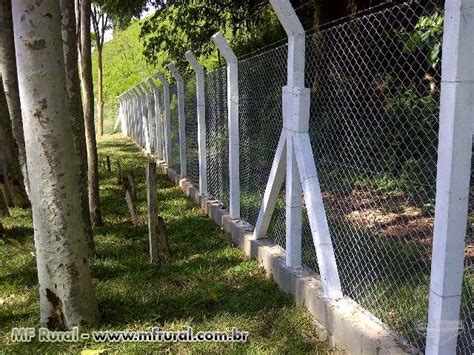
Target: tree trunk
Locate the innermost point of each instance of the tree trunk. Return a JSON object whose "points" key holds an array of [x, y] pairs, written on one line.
{"points": [[75, 108], [10, 82], [88, 105], [10, 172], [100, 112], [65, 285]]}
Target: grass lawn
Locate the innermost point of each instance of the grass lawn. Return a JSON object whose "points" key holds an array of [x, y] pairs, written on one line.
{"points": [[207, 284]]}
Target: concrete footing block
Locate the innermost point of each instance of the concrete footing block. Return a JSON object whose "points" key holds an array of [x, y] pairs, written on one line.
{"points": [[342, 323]]}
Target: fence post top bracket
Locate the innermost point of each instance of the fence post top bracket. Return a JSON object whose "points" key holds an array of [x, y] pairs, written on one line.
{"points": [[162, 78], [144, 87], [288, 18], [224, 48], [174, 72], [152, 83], [193, 61]]}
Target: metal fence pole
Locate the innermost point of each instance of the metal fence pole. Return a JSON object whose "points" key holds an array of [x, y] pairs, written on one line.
{"points": [[233, 122], [453, 174], [167, 120], [181, 120], [201, 120]]}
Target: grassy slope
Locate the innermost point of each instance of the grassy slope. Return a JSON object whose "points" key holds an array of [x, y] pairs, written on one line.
{"points": [[124, 67], [207, 284]]}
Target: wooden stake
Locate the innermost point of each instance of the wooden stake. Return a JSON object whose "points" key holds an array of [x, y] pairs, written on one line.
{"points": [[3, 204], [131, 184], [107, 161], [119, 174], [152, 217], [163, 241], [131, 204]]}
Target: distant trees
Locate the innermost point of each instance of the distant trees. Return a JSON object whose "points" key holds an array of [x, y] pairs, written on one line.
{"points": [[13, 122], [84, 15], [66, 293]]}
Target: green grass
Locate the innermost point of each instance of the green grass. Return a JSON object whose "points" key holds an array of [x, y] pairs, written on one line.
{"points": [[207, 283]]}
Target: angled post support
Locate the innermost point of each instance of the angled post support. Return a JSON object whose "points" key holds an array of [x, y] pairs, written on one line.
{"points": [[201, 120], [143, 110], [150, 116], [233, 122], [167, 118], [301, 174], [453, 174], [181, 120], [158, 127]]}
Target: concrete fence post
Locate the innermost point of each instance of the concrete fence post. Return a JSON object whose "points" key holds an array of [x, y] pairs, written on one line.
{"points": [[150, 116], [144, 121], [134, 114], [138, 117], [167, 118], [301, 174], [201, 120], [233, 122], [158, 126], [181, 120], [453, 176]]}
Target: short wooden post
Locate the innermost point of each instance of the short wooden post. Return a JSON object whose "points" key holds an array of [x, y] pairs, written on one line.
{"points": [[3, 204], [107, 161], [152, 216], [131, 184]]}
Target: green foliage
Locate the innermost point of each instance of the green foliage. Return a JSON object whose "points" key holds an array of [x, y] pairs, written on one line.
{"points": [[121, 12], [207, 284], [427, 37], [124, 67]]}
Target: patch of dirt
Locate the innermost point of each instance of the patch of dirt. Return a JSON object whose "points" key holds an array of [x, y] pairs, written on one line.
{"points": [[387, 215]]}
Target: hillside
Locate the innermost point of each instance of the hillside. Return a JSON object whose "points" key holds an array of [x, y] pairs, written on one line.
{"points": [[124, 66]]}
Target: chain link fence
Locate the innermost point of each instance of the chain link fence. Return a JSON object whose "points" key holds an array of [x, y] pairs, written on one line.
{"points": [[175, 161], [217, 135], [191, 129], [374, 81]]}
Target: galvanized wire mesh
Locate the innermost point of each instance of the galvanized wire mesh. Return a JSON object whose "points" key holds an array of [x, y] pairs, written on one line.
{"points": [[374, 81], [217, 135], [374, 126], [175, 161], [191, 130]]}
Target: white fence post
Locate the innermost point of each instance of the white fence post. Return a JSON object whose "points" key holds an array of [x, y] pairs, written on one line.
{"points": [[201, 120], [181, 120], [144, 113], [157, 118], [301, 174], [149, 117], [453, 175], [233, 122], [167, 120], [136, 116]]}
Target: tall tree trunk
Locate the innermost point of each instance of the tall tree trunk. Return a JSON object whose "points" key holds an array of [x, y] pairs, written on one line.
{"points": [[66, 292], [100, 112], [75, 108], [88, 105], [10, 82], [10, 173]]}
